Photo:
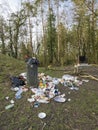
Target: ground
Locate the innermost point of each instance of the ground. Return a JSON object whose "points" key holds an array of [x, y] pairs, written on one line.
{"points": [[80, 113]]}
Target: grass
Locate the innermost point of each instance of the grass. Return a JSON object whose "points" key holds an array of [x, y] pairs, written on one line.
{"points": [[81, 113]]}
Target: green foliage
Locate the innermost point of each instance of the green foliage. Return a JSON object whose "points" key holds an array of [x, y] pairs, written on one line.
{"points": [[58, 42], [9, 66], [51, 37]]}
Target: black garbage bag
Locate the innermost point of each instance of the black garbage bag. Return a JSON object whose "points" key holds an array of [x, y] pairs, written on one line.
{"points": [[17, 81]]}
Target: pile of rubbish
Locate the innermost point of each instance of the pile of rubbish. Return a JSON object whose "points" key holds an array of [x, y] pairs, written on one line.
{"points": [[48, 88]]}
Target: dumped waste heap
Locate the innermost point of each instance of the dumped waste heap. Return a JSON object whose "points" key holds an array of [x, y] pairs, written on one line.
{"points": [[48, 88]]}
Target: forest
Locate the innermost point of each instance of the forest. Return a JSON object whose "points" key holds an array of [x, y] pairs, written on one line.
{"points": [[57, 32]]}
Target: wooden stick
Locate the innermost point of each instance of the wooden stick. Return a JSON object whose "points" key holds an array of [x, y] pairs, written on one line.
{"points": [[90, 76]]}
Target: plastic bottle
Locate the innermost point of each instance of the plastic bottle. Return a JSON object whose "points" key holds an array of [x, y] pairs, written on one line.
{"points": [[36, 104], [9, 106], [18, 94], [56, 90]]}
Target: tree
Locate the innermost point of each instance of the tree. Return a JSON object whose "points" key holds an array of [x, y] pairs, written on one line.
{"points": [[30, 13], [87, 27], [17, 20], [2, 35], [51, 37]]}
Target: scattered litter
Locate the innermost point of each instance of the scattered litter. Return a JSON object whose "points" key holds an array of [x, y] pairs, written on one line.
{"points": [[48, 89], [84, 80], [12, 101], [44, 100], [15, 88], [55, 81], [74, 88], [31, 99], [42, 115], [18, 94], [36, 104], [9, 106], [59, 99], [24, 89], [6, 98], [68, 77], [24, 75], [69, 100]]}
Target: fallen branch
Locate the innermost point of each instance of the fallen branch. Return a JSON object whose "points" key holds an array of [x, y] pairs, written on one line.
{"points": [[89, 76]]}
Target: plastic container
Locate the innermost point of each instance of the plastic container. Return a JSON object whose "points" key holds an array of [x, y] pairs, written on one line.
{"points": [[18, 94], [56, 92], [36, 104], [42, 115]]}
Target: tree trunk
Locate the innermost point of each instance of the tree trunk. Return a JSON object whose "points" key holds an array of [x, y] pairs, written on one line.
{"points": [[58, 38], [44, 39]]}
